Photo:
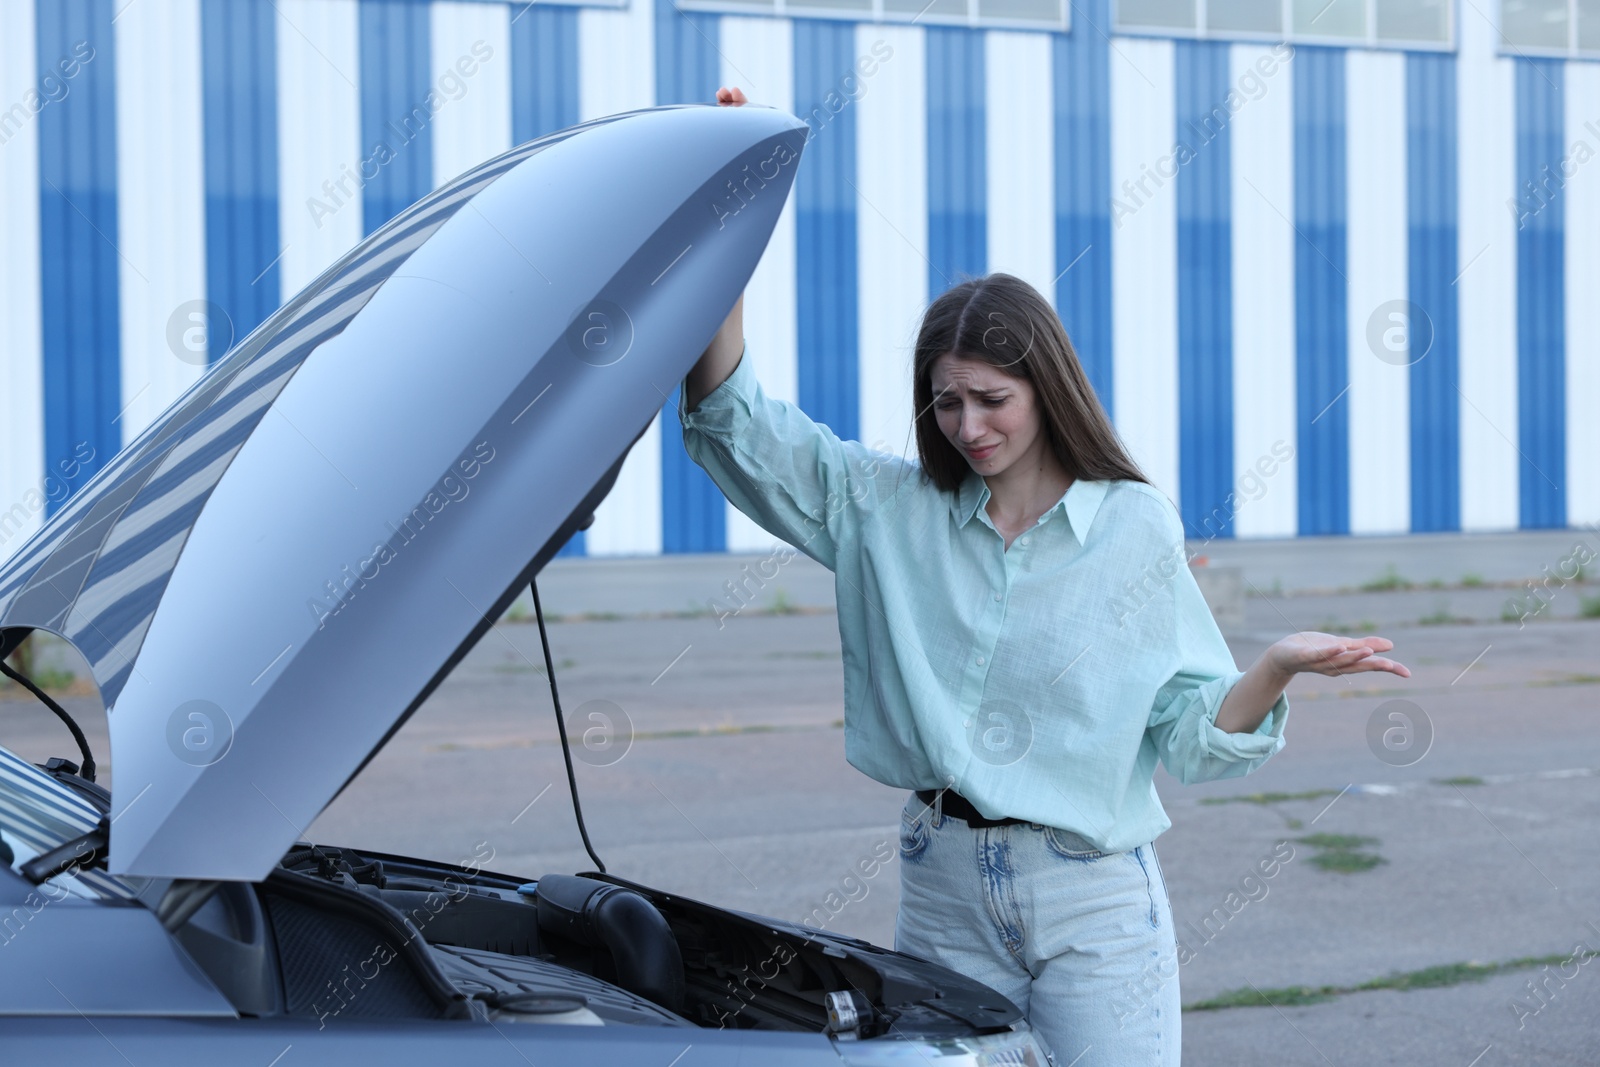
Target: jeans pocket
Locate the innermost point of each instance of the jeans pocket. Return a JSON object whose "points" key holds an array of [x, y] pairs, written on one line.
{"points": [[914, 833], [1069, 845]]}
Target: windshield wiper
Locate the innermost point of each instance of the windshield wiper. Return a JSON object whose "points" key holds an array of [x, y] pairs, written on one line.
{"points": [[84, 851]]}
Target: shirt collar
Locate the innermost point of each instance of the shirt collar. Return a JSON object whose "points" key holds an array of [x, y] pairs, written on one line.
{"points": [[1081, 502]]}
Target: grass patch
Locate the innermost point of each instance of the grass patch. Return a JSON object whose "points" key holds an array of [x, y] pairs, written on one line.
{"points": [[1589, 607], [1570, 679], [1388, 581], [1336, 840], [1332, 625], [1346, 862], [1442, 617], [527, 667], [1460, 779], [47, 678], [1341, 852], [1270, 798], [1448, 974], [1472, 581]]}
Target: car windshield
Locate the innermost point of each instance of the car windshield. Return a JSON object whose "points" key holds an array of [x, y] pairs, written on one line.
{"points": [[37, 813]]}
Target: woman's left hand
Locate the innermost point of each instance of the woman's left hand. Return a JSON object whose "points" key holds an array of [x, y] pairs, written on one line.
{"points": [[1323, 653]]}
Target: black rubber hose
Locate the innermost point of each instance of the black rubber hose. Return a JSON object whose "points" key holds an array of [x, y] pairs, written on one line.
{"points": [[602, 915], [87, 772]]}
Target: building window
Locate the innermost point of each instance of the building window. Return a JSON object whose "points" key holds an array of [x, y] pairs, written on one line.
{"points": [[1425, 24], [1551, 27], [996, 14]]}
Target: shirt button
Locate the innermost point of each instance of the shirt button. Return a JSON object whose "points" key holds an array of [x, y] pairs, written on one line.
{"points": [[980, 661], [1024, 541], [997, 596], [967, 724]]}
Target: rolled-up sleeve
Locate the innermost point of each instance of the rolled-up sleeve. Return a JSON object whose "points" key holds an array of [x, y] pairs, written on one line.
{"points": [[1183, 717], [792, 475]]}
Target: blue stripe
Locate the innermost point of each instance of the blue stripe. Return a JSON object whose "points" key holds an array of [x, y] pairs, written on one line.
{"points": [[239, 97], [958, 188], [79, 264], [826, 285], [688, 66], [544, 71], [1321, 293], [544, 98], [1205, 289], [1081, 90], [1431, 271], [1541, 302], [396, 122], [96, 637]]}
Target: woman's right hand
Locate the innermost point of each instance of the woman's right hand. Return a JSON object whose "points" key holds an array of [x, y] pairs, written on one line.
{"points": [[727, 345]]}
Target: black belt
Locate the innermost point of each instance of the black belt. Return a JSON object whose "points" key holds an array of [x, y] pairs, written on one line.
{"points": [[954, 804]]}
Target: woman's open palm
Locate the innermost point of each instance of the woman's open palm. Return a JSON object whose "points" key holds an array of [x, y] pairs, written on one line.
{"points": [[1311, 650]]}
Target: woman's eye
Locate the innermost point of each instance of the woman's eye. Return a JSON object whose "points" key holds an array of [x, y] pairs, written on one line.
{"points": [[995, 401]]}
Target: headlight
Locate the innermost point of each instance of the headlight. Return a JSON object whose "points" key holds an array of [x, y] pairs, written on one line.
{"points": [[1018, 1048]]}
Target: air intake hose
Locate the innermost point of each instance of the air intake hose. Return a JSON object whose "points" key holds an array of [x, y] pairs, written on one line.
{"points": [[624, 923]]}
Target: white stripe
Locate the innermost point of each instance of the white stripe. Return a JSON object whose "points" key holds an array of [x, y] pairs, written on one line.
{"points": [[1487, 290], [1582, 199], [1379, 396], [628, 521], [1144, 238], [1020, 156], [22, 485], [102, 594], [161, 202], [616, 60], [1266, 491], [891, 228], [319, 137], [471, 70], [758, 56], [616, 72]]}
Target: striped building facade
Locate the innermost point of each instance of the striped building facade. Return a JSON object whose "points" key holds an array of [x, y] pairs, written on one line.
{"points": [[1320, 289]]}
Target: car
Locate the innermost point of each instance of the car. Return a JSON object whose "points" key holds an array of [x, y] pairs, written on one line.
{"points": [[280, 569]]}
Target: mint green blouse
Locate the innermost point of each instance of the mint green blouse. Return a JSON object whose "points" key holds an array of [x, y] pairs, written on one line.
{"points": [[1041, 681]]}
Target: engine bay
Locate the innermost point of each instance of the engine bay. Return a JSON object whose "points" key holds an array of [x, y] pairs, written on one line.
{"points": [[333, 933]]}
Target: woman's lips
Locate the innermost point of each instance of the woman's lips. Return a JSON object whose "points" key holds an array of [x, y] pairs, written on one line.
{"points": [[981, 453]]}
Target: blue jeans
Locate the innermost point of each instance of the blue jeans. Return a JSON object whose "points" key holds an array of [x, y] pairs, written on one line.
{"points": [[1080, 940]]}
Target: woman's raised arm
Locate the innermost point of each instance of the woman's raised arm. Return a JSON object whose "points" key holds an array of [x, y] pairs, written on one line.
{"points": [[720, 356]]}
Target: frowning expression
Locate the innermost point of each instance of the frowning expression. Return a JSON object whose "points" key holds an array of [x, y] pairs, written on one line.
{"points": [[991, 417]]}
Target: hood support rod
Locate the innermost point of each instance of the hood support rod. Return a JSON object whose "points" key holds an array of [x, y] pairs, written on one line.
{"points": [[561, 725]]}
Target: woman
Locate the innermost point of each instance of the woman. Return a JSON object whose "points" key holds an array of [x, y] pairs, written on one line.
{"points": [[1022, 641]]}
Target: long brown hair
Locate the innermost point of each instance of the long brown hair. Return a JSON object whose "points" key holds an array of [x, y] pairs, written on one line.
{"points": [[1004, 321]]}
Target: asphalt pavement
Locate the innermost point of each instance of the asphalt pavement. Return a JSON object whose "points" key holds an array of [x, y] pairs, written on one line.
{"points": [[710, 762]]}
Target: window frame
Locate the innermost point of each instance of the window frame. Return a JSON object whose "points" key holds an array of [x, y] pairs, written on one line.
{"points": [[1370, 41], [1572, 50], [793, 10]]}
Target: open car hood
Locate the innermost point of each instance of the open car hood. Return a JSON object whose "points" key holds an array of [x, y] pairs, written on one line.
{"points": [[281, 568]]}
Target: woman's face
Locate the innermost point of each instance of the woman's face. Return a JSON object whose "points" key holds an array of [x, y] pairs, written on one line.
{"points": [[989, 416]]}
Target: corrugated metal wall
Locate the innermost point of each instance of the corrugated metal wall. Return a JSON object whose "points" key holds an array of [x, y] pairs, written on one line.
{"points": [[1321, 290]]}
